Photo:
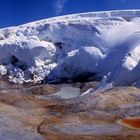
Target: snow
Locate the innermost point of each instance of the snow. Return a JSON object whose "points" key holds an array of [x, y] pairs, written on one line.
{"points": [[3, 70], [102, 44]]}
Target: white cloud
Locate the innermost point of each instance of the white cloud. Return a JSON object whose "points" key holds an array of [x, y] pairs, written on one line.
{"points": [[59, 6]]}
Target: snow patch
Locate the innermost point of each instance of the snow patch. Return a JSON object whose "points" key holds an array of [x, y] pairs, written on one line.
{"points": [[103, 44]]}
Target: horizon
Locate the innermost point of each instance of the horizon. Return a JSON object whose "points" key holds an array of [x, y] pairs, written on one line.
{"points": [[18, 12]]}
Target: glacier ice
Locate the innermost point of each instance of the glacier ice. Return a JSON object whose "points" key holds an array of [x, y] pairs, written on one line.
{"points": [[95, 44]]}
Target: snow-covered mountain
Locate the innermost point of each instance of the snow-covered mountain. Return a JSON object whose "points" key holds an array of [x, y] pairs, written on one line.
{"points": [[101, 45]]}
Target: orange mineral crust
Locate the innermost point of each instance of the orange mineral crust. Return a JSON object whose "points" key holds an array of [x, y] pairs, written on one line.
{"points": [[133, 122]]}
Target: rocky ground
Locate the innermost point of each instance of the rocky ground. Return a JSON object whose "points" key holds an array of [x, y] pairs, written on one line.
{"points": [[36, 112]]}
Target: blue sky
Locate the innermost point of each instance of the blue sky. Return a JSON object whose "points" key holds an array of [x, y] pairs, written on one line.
{"points": [[15, 12]]}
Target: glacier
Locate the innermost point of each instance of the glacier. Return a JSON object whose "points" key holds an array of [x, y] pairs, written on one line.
{"points": [[96, 45]]}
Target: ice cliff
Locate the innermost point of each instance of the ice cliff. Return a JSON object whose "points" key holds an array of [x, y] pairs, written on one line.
{"points": [[95, 45]]}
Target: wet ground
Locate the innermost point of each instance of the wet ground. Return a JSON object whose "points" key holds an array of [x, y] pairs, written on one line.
{"points": [[59, 112]]}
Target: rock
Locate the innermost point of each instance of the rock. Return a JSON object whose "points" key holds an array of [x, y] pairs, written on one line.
{"points": [[16, 124], [45, 89], [85, 86], [89, 125], [32, 113], [97, 120]]}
